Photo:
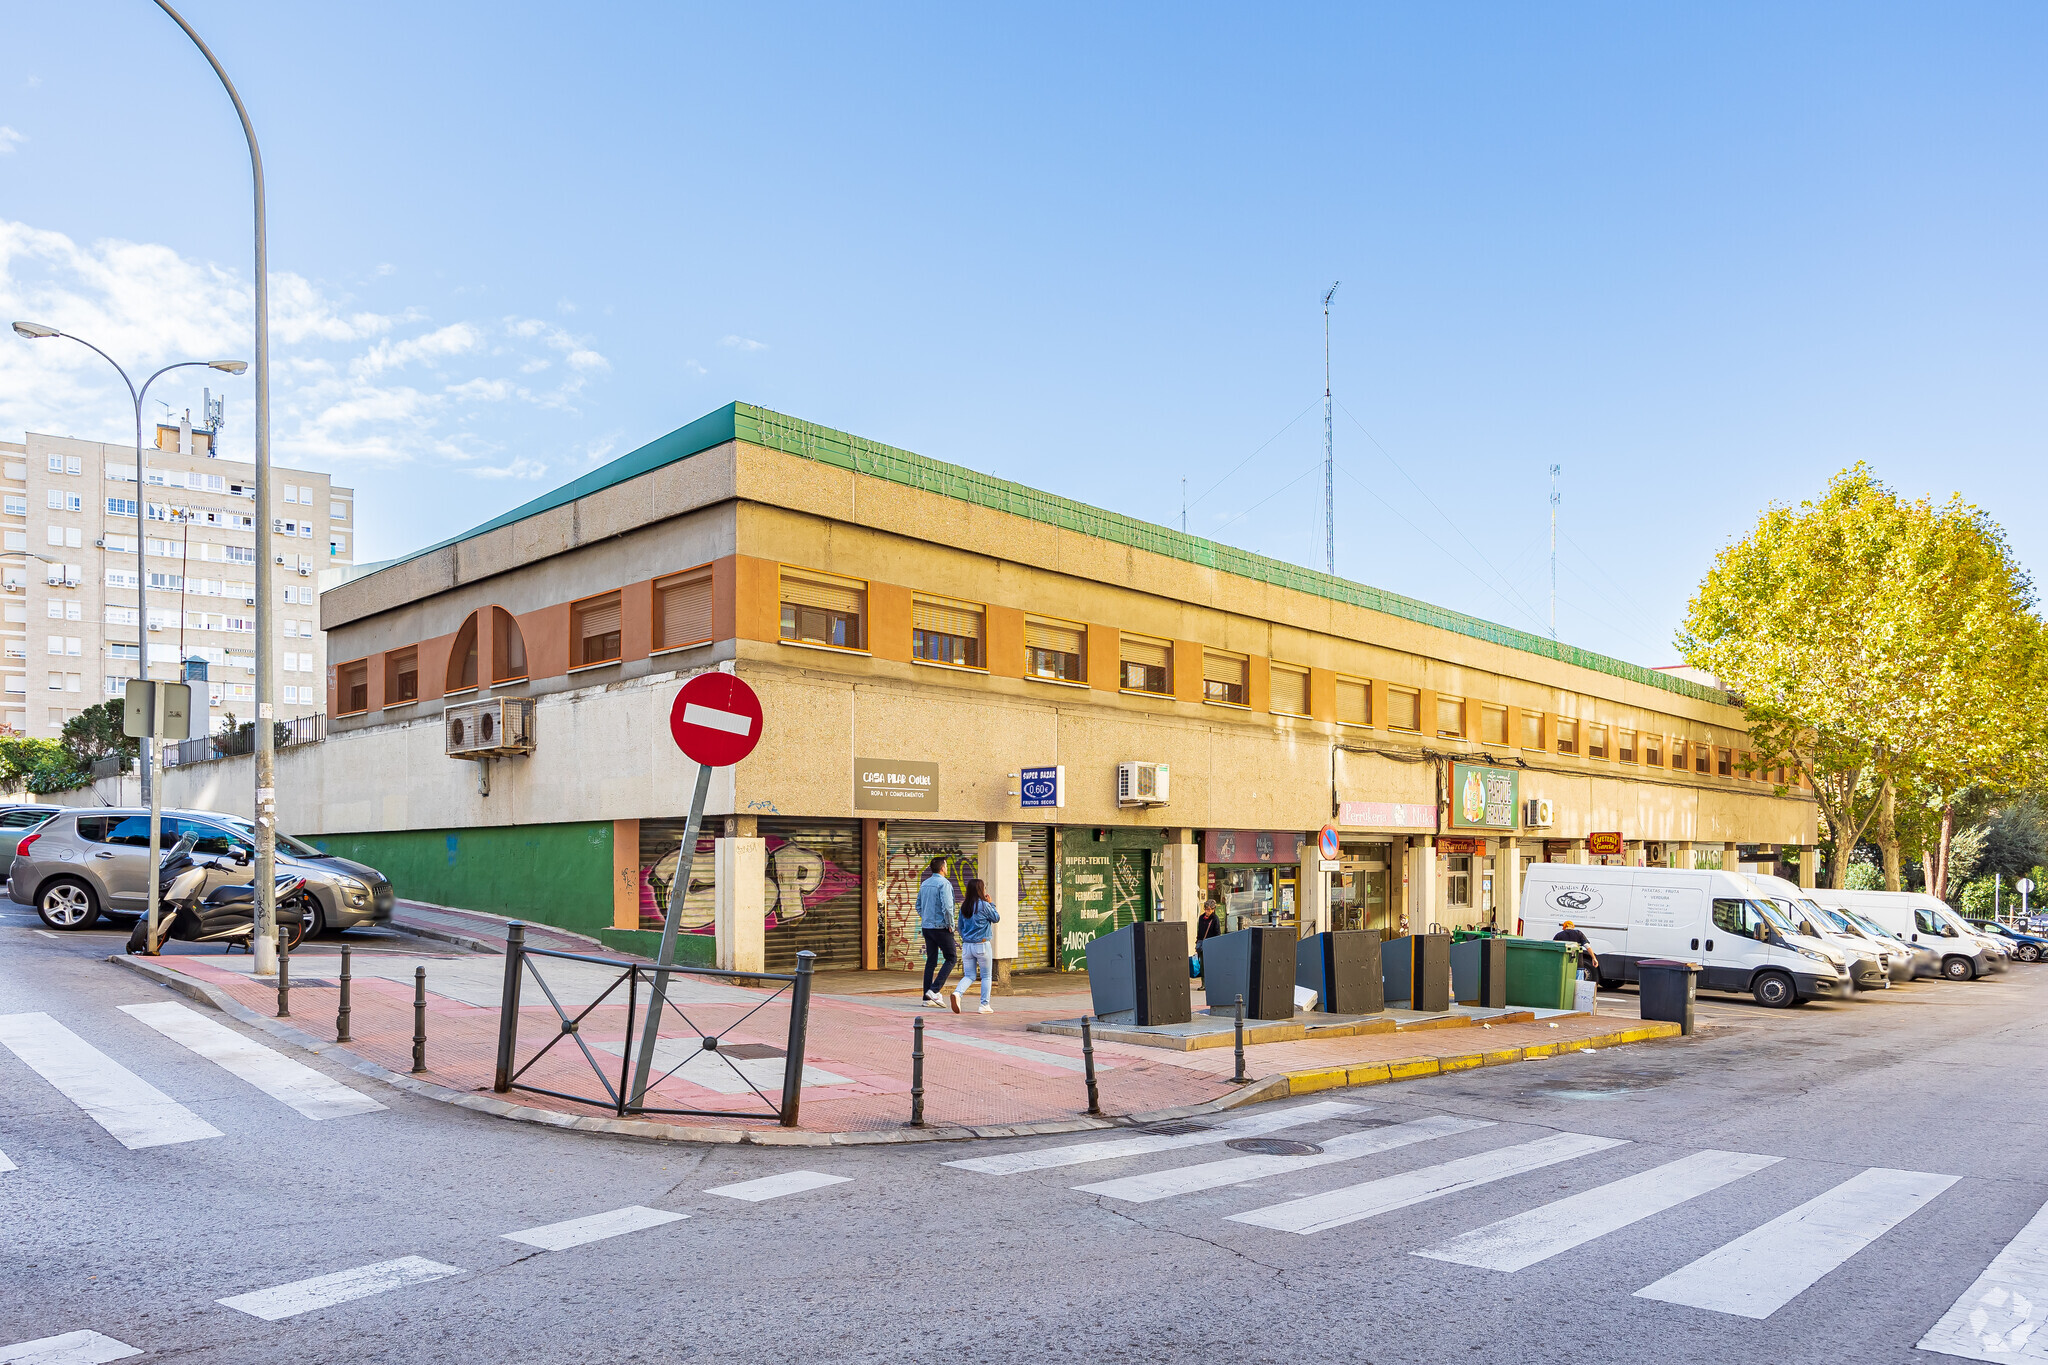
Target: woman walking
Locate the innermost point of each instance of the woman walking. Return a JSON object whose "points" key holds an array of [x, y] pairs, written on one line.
{"points": [[977, 930]]}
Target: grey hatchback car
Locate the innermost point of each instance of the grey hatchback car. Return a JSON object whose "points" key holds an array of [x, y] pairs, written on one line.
{"points": [[82, 863]]}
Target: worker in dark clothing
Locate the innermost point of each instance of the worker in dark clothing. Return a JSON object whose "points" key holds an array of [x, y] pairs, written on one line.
{"points": [[1210, 925], [1588, 960]]}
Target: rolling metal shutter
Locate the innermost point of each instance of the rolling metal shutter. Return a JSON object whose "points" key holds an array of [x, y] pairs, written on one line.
{"points": [[944, 617], [1058, 639], [1147, 652], [1354, 705], [1223, 668], [684, 610], [1290, 691], [822, 593]]}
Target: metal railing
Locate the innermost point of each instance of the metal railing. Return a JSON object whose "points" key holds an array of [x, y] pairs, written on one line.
{"points": [[636, 977], [242, 741]]}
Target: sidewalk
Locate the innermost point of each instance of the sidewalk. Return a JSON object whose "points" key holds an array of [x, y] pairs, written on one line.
{"points": [[982, 1073]]}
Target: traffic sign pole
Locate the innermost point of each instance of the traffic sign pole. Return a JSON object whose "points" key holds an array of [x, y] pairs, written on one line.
{"points": [[156, 809], [678, 892]]}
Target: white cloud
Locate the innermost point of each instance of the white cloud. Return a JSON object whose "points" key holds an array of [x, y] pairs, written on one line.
{"points": [[588, 360], [740, 343], [694, 368], [458, 338], [519, 468], [9, 139]]}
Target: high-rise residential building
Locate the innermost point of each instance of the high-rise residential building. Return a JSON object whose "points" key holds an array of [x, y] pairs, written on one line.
{"points": [[73, 556]]}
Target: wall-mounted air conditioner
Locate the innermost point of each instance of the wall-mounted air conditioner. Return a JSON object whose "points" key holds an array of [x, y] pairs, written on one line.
{"points": [[303, 571], [248, 601], [1538, 813], [498, 728], [1141, 784]]}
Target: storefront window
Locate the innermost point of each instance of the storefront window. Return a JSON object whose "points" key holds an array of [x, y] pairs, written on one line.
{"points": [[1358, 890], [1243, 897], [1458, 881]]}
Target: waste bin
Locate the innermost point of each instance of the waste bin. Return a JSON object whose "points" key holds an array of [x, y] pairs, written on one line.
{"points": [[1417, 968], [1343, 968], [1257, 964], [1666, 990], [1479, 971], [1142, 968], [1541, 973]]}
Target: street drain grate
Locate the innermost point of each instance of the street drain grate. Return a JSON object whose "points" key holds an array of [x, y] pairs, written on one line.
{"points": [[1273, 1147], [1174, 1129], [752, 1052]]}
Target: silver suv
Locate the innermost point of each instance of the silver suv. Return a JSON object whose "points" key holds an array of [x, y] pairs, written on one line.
{"points": [[81, 864]]}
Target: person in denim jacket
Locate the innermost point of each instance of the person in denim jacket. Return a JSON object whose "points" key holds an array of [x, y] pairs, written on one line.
{"points": [[978, 917]]}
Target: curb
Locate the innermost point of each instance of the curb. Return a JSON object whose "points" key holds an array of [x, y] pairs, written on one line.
{"points": [[1413, 1068]]}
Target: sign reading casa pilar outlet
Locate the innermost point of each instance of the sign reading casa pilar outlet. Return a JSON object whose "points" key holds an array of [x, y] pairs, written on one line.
{"points": [[893, 784]]}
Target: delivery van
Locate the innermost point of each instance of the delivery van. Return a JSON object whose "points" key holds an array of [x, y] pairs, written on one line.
{"points": [[1717, 919], [1920, 919], [1870, 964]]}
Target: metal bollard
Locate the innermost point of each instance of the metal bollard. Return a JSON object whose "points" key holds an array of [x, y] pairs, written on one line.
{"points": [[1088, 1065], [284, 982], [341, 1013], [917, 1072], [1239, 1078], [419, 1019]]}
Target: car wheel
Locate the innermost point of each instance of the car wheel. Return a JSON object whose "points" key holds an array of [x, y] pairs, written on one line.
{"points": [[1774, 990], [1957, 968], [2030, 952], [306, 921], [68, 904]]}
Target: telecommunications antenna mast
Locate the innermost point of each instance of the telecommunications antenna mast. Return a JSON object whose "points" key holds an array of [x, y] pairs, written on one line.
{"points": [[1329, 448]]}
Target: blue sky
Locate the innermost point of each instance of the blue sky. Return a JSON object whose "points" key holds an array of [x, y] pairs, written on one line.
{"points": [[1698, 259]]}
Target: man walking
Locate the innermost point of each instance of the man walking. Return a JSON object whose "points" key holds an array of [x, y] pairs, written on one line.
{"points": [[935, 915]]}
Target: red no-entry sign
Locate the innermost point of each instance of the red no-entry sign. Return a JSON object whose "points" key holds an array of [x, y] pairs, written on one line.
{"points": [[716, 719]]}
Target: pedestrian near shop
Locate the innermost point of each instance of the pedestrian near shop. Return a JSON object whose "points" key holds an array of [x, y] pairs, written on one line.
{"points": [[978, 916], [1209, 925], [1589, 961], [935, 916]]}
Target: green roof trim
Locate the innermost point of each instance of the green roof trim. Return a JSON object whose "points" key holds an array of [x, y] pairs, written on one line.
{"points": [[808, 440]]}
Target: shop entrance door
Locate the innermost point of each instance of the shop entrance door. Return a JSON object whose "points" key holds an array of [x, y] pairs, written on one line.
{"points": [[1130, 886]]}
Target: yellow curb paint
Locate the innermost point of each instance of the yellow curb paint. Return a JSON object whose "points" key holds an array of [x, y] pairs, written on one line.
{"points": [[1374, 1074], [1512, 1054], [1307, 1082], [1463, 1062], [1539, 1050], [1410, 1067]]}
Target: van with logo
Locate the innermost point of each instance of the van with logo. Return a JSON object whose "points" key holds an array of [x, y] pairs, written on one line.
{"points": [[1741, 941], [1923, 920]]}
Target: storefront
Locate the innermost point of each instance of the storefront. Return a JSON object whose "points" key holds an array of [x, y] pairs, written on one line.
{"points": [[1108, 878], [811, 894], [1248, 876], [1361, 890], [908, 847]]}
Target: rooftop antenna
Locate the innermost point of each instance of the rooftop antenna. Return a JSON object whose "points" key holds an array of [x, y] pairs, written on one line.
{"points": [[1555, 470], [1329, 447], [216, 414]]}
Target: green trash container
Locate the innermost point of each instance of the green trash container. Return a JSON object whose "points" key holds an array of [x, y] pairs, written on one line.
{"points": [[1542, 974]]}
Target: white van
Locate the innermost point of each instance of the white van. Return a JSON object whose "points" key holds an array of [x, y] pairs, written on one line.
{"points": [[1921, 919], [1870, 963], [1716, 919]]}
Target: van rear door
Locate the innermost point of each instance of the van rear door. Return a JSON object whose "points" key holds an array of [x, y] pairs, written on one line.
{"points": [[1665, 915]]}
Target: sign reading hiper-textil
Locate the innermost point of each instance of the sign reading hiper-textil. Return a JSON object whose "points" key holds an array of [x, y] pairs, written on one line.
{"points": [[892, 784], [1483, 797]]}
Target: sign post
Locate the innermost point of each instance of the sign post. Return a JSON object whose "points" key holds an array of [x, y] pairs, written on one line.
{"points": [[716, 722], [156, 712], [2023, 886]]}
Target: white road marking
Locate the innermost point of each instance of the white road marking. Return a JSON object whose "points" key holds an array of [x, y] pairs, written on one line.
{"points": [[1142, 1189], [73, 1348], [46, 933], [594, 1228], [1761, 1271], [1028, 1054], [6, 1165], [294, 1083], [775, 1186], [130, 1108], [1073, 1154], [711, 718], [324, 1291], [1997, 1316], [1320, 1212], [1521, 1241]]}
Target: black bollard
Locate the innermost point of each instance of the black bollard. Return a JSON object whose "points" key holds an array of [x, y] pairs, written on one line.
{"points": [[917, 1072], [1088, 1065], [419, 1019], [284, 981], [341, 1013], [1239, 1077]]}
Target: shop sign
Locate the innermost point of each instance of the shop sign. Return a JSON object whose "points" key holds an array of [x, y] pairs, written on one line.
{"points": [[1386, 815], [1456, 847], [891, 784], [1604, 845], [1250, 846], [1483, 797], [1043, 786], [1557, 850]]}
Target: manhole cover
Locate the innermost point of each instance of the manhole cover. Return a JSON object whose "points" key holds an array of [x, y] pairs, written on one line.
{"points": [[751, 1052], [1273, 1147]]}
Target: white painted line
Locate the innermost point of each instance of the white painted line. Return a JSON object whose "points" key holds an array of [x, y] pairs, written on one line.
{"points": [[711, 718], [324, 1291], [1998, 1315], [6, 1165], [73, 1348], [1142, 1189], [134, 1111], [46, 933], [594, 1228], [1074, 1154], [1027, 1054], [775, 1186], [1521, 1241], [1320, 1212], [294, 1083], [1760, 1272]]}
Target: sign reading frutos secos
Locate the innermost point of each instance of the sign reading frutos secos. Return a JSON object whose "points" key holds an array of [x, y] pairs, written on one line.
{"points": [[1483, 797], [1043, 787]]}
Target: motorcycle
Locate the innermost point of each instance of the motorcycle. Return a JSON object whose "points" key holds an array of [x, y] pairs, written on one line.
{"points": [[210, 900]]}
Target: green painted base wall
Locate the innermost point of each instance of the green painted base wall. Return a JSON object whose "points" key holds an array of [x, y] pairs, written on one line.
{"points": [[692, 950], [552, 874]]}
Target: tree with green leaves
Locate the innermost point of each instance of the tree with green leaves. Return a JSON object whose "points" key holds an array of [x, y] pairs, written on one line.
{"points": [[97, 733], [39, 765]]}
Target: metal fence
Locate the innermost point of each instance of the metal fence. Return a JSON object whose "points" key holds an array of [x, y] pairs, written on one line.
{"points": [[646, 984], [242, 740]]}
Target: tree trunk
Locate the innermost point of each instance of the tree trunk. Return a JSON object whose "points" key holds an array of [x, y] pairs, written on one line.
{"points": [[1937, 884], [1888, 841]]}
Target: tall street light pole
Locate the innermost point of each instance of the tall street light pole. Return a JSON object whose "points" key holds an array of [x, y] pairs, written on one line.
{"points": [[266, 733]]}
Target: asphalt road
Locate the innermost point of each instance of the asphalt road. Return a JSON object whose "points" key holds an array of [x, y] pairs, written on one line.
{"points": [[1913, 1120]]}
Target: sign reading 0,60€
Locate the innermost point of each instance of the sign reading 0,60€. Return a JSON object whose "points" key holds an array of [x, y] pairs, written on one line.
{"points": [[1483, 797]]}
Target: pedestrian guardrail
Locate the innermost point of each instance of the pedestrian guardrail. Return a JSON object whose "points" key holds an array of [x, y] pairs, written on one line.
{"points": [[600, 1018]]}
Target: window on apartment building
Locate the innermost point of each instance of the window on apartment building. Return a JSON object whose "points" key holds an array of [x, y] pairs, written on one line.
{"points": [[943, 631], [337, 511], [508, 648], [1223, 677], [1354, 701], [1147, 665], [1055, 650], [595, 630], [1652, 754], [1596, 741], [1404, 709], [352, 687], [1493, 725], [403, 681], [819, 609], [1625, 745], [1532, 729], [1450, 718], [1678, 754], [1567, 735], [1290, 690], [16, 504], [56, 464], [462, 657], [682, 609], [1717, 758], [17, 540], [74, 464]]}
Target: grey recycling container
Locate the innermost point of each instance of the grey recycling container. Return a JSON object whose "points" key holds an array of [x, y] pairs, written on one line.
{"points": [[1666, 988]]}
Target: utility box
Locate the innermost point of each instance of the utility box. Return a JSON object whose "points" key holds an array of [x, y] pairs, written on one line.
{"points": [[1255, 963], [1143, 969], [1479, 972], [1343, 968]]}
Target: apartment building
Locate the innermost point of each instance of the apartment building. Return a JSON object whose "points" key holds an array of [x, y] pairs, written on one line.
{"points": [[73, 560]]}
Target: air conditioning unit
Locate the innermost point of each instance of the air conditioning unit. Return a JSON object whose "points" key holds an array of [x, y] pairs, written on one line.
{"points": [[1141, 784], [248, 601], [499, 728], [303, 571], [1538, 813]]}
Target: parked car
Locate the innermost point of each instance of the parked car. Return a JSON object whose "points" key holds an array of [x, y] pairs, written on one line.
{"points": [[16, 821], [81, 864], [1922, 919], [2025, 947]]}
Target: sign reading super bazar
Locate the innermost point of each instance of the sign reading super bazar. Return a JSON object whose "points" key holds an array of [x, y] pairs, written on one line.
{"points": [[1483, 797]]}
